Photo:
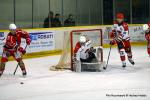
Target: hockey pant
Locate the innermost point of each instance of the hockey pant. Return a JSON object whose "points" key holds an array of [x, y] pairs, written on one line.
{"points": [[124, 47], [17, 57], [148, 48]]}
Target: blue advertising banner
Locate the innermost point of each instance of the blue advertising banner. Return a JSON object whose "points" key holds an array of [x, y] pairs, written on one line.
{"points": [[41, 41]]}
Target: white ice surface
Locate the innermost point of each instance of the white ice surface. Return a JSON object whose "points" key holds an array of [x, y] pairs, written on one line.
{"points": [[42, 84]]}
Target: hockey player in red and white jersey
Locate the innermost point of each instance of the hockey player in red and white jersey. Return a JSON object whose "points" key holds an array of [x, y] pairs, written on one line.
{"points": [[12, 48], [146, 28], [120, 35]]}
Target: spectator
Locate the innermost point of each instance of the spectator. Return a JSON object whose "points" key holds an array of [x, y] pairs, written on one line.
{"points": [[57, 22], [49, 21], [69, 21]]}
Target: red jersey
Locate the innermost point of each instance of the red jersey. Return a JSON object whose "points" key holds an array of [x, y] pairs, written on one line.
{"points": [[77, 47], [24, 34], [14, 40], [147, 36]]}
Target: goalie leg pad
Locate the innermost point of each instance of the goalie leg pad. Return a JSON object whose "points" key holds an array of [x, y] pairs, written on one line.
{"points": [[77, 66], [98, 52]]}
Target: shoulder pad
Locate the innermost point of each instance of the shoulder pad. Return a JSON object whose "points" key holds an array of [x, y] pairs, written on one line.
{"points": [[125, 26], [18, 30]]}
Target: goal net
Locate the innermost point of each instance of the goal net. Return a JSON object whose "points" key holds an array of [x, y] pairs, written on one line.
{"points": [[69, 42]]}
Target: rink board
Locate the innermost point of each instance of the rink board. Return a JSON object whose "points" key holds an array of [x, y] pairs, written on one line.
{"points": [[51, 39]]}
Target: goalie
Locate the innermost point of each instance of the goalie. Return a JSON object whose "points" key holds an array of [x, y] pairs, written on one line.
{"points": [[84, 52]]}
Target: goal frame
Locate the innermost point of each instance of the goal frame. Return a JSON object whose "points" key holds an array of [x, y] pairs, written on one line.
{"points": [[84, 30]]}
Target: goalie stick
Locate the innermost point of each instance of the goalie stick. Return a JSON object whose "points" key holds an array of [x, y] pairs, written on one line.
{"points": [[18, 63]]}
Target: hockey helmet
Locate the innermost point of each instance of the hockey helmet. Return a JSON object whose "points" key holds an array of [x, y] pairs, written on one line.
{"points": [[145, 27], [12, 27], [120, 16]]}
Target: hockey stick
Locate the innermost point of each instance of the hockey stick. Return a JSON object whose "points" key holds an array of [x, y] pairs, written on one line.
{"points": [[18, 63], [108, 58], [2, 39]]}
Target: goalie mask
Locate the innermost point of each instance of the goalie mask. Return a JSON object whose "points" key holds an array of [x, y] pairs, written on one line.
{"points": [[82, 39]]}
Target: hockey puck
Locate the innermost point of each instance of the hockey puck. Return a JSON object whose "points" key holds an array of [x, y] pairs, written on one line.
{"points": [[21, 83]]}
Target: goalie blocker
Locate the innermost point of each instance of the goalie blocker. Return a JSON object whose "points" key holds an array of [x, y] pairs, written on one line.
{"points": [[86, 57]]}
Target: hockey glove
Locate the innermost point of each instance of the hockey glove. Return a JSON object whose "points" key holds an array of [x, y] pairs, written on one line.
{"points": [[23, 51], [28, 41], [112, 42], [16, 47]]}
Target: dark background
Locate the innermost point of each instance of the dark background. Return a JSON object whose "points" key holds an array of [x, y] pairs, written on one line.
{"points": [[31, 13]]}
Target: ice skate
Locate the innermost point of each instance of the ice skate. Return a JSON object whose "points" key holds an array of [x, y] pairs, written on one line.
{"points": [[1, 73], [123, 64], [24, 73], [131, 61]]}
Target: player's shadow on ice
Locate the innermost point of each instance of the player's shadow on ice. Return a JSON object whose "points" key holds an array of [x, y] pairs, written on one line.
{"points": [[119, 69], [7, 76]]}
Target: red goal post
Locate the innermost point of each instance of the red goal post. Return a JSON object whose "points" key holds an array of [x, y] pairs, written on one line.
{"points": [[79, 32]]}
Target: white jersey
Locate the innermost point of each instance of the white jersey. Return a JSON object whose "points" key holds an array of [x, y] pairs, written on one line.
{"points": [[82, 52], [121, 30]]}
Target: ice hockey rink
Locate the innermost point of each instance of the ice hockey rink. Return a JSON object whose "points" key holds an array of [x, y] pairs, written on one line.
{"points": [[115, 83]]}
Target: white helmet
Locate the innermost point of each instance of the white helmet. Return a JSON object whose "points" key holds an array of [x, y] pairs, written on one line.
{"points": [[12, 27], [145, 27], [82, 39]]}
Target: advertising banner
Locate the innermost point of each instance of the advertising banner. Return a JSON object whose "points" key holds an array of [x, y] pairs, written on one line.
{"points": [[2, 41], [40, 41]]}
